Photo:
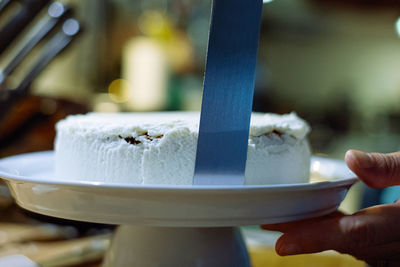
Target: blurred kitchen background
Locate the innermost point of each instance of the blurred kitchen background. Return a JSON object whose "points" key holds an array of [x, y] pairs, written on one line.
{"points": [[335, 62]]}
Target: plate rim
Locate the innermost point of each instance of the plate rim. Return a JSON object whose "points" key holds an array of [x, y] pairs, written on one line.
{"points": [[16, 178]]}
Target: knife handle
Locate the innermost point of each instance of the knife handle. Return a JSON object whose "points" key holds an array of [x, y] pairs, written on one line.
{"points": [[29, 10], [4, 4], [56, 14], [70, 29]]}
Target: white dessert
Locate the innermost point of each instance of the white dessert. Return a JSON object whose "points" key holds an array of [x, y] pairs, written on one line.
{"points": [[160, 148]]}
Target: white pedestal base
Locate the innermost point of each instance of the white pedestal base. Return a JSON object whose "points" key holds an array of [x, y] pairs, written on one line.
{"points": [[171, 247]]}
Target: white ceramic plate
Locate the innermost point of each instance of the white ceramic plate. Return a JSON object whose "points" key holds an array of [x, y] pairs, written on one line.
{"points": [[33, 184]]}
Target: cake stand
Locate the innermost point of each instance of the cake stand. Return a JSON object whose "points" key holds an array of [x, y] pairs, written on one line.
{"points": [[173, 225]]}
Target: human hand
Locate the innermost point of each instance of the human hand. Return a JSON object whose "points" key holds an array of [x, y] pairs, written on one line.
{"points": [[372, 234]]}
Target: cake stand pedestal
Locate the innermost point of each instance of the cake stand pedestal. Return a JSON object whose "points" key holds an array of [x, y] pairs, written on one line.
{"points": [[171, 246], [173, 225]]}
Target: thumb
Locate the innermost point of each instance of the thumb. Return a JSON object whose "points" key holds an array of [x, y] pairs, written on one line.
{"points": [[375, 169]]}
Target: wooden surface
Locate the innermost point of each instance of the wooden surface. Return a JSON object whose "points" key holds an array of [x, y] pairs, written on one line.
{"points": [[61, 245]]}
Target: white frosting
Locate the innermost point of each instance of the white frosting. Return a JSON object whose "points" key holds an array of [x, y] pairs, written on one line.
{"points": [[159, 148]]}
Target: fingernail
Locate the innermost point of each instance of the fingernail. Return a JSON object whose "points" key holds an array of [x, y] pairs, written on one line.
{"points": [[288, 249], [363, 159]]}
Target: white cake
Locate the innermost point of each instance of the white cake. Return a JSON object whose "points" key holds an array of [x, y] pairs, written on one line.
{"points": [[160, 148]]}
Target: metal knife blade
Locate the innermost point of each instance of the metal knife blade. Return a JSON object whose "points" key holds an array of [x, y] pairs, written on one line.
{"points": [[228, 92]]}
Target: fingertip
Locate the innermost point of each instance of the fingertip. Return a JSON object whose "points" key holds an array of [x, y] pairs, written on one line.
{"points": [[279, 247], [357, 159], [360, 163], [349, 156], [285, 248], [375, 169], [351, 161]]}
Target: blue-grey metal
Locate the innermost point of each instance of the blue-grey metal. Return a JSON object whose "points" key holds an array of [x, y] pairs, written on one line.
{"points": [[228, 92]]}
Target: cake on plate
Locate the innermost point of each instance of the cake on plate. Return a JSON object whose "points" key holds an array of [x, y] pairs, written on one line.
{"points": [[160, 148]]}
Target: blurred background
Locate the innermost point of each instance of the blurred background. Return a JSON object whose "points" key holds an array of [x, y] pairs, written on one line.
{"points": [[335, 62]]}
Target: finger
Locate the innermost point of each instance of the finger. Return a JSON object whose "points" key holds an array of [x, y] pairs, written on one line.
{"points": [[310, 238], [374, 254], [288, 226], [347, 234], [384, 263], [375, 169]]}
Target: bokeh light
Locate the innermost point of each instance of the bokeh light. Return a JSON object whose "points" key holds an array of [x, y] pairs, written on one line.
{"points": [[398, 26], [118, 90]]}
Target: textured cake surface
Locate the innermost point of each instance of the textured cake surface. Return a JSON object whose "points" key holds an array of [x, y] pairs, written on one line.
{"points": [[160, 148]]}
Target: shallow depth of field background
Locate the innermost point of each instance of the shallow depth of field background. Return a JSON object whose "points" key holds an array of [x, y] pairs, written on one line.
{"points": [[335, 63]]}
